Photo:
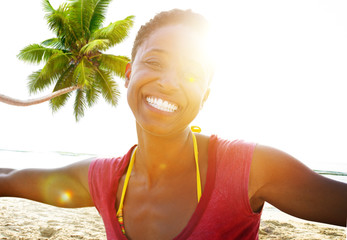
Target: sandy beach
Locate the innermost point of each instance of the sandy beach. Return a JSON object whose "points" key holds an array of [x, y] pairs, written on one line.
{"points": [[279, 225], [24, 220]]}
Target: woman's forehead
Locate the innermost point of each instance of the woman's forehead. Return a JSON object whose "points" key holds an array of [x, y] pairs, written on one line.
{"points": [[175, 40]]}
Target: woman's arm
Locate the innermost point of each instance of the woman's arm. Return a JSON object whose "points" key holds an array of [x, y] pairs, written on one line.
{"points": [[287, 184], [62, 187]]}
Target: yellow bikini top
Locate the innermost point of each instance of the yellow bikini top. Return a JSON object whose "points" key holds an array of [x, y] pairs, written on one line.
{"points": [[131, 164]]}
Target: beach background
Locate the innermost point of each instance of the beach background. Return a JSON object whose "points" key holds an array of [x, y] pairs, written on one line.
{"points": [[25, 219], [280, 81]]}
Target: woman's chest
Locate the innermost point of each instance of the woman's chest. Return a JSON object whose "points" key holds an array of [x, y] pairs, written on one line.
{"points": [[163, 211], [159, 214]]}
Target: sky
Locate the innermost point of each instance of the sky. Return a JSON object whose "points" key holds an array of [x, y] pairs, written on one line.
{"points": [[280, 80]]}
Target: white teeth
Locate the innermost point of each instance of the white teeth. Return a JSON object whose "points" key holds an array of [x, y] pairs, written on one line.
{"points": [[161, 104]]}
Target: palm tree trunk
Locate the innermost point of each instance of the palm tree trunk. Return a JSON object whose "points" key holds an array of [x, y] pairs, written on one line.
{"points": [[29, 102]]}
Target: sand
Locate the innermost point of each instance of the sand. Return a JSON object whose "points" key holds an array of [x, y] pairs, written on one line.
{"points": [[278, 225], [24, 219]]}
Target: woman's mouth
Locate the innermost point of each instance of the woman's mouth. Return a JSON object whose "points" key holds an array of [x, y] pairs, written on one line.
{"points": [[161, 104]]}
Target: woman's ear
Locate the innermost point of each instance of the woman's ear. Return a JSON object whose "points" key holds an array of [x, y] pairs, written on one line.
{"points": [[127, 74]]}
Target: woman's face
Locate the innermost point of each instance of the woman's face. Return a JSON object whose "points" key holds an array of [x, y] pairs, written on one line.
{"points": [[168, 80]]}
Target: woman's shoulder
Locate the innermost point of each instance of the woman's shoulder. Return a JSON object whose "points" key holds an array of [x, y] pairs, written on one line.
{"points": [[231, 146], [110, 165]]}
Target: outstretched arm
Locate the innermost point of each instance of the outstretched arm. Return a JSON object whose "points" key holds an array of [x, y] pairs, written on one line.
{"points": [[287, 184], [62, 187]]}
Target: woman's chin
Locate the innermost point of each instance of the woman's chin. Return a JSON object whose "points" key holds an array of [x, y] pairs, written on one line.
{"points": [[161, 130]]}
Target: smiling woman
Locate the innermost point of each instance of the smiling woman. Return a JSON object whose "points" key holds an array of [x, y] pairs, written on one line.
{"points": [[162, 71], [154, 186]]}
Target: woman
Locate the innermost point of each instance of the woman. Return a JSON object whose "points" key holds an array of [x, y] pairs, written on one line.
{"points": [[176, 184]]}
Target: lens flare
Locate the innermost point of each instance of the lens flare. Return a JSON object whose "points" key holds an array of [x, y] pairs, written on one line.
{"points": [[191, 79], [65, 197], [58, 190]]}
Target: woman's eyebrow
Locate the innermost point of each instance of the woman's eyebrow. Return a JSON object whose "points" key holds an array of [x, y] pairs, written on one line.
{"points": [[183, 58], [157, 50]]}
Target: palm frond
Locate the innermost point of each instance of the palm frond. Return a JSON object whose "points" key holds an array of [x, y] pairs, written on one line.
{"points": [[35, 83], [98, 16], [47, 7], [115, 64], [92, 95], [58, 102], [57, 19], [108, 87], [64, 81], [35, 53], [64, 28], [81, 13], [55, 66], [43, 78], [79, 105], [56, 43], [115, 32], [84, 73], [95, 45]]}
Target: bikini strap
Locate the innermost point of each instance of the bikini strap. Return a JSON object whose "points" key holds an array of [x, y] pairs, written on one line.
{"points": [[130, 167], [196, 155], [126, 181]]}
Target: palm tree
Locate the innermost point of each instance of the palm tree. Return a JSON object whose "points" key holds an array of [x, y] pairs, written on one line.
{"points": [[74, 59]]}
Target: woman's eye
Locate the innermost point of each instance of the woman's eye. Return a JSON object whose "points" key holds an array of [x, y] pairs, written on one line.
{"points": [[153, 63]]}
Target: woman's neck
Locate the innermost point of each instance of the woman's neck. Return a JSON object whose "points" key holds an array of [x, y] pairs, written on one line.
{"points": [[160, 156]]}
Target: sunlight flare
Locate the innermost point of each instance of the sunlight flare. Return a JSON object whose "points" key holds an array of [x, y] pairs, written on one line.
{"points": [[65, 197]]}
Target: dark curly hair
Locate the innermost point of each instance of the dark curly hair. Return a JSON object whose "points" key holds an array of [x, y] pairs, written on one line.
{"points": [[176, 16]]}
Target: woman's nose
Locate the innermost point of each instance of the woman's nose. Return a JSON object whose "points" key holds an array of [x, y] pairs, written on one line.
{"points": [[169, 80]]}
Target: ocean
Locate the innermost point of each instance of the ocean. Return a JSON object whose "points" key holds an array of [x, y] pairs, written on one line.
{"points": [[19, 159]]}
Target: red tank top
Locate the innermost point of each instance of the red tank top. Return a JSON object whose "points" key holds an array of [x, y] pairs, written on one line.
{"points": [[223, 212]]}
